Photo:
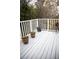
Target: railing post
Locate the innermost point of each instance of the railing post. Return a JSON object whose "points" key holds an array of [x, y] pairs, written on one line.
{"points": [[48, 24], [31, 25], [37, 22]]}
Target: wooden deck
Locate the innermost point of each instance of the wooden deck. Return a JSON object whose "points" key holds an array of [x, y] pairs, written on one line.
{"points": [[44, 46]]}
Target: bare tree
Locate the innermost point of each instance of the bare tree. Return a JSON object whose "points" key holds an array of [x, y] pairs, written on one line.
{"points": [[47, 8]]}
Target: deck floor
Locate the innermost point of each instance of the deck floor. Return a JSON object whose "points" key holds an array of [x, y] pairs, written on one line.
{"points": [[44, 46]]}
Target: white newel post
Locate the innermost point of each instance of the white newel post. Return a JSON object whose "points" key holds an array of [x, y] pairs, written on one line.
{"points": [[48, 24], [37, 22], [31, 25]]}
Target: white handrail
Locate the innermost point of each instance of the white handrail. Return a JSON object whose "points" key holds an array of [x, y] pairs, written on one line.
{"points": [[38, 19], [30, 25]]}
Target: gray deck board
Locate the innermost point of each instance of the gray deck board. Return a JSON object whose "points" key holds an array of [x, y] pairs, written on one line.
{"points": [[43, 46]]}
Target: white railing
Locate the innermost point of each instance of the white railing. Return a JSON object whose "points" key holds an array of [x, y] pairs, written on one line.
{"points": [[31, 25]]}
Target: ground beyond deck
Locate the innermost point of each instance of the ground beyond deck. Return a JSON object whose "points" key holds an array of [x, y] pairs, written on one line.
{"points": [[44, 46]]}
